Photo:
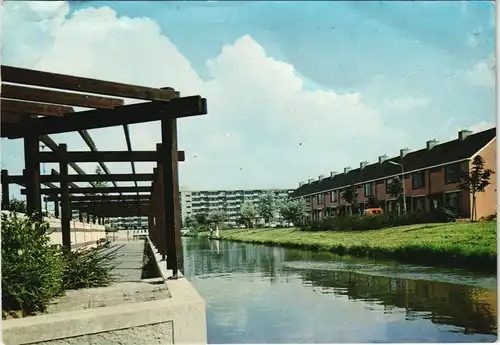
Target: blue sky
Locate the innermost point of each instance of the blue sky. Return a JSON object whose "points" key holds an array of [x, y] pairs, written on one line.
{"points": [[295, 89]]}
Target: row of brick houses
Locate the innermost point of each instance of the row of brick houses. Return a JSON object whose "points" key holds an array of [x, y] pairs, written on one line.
{"points": [[431, 178]]}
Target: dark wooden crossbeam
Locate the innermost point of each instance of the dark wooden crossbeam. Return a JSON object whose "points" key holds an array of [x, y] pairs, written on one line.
{"points": [[58, 97], [117, 210], [54, 147], [34, 108], [52, 191], [100, 118], [109, 204], [98, 198], [73, 83], [11, 117], [19, 179], [103, 156]]}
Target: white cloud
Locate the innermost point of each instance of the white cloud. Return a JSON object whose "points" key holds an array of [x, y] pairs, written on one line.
{"points": [[481, 126], [405, 104], [280, 133], [482, 73]]}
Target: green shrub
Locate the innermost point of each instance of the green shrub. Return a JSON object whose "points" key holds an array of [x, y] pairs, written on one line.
{"points": [[32, 268], [357, 222], [87, 268]]}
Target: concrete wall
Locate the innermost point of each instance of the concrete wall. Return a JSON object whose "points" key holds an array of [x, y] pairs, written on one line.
{"points": [[81, 233], [178, 318]]}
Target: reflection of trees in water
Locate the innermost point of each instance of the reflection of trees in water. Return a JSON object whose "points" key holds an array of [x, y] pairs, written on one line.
{"points": [[445, 303], [203, 256]]}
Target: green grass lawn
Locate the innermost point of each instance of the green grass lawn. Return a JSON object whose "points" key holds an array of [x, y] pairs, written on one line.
{"points": [[448, 243]]}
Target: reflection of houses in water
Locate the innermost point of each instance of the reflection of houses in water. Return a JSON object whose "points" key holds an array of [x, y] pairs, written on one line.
{"points": [[472, 309], [445, 303]]}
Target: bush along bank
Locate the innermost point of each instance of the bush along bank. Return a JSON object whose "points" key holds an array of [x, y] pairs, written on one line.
{"points": [[34, 271], [468, 245], [358, 222]]}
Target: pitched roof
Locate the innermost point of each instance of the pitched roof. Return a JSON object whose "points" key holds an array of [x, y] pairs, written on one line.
{"points": [[450, 151]]}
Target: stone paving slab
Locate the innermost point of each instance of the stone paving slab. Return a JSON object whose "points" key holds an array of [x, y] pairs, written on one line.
{"points": [[130, 255]]}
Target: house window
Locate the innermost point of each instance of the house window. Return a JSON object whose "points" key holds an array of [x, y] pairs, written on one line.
{"points": [[418, 180], [452, 200], [419, 203], [453, 173], [367, 189], [320, 198], [333, 196]]}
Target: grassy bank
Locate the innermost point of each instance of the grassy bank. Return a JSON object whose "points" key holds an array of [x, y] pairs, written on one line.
{"points": [[450, 244]]}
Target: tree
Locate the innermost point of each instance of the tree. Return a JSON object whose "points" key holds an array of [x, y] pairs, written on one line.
{"points": [[248, 213], [476, 180], [267, 206], [372, 202], [395, 190], [350, 196], [189, 222], [15, 205], [293, 211], [216, 217], [100, 184], [201, 219]]}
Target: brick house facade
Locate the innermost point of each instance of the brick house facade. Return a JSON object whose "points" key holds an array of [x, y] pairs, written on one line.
{"points": [[431, 179]]}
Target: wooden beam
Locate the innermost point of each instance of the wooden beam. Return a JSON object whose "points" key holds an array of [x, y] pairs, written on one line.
{"points": [[90, 143], [125, 204], [34, 108], [65, 205], [100, 118], [67, 82], [5, 189], [102, 156], [19, 179], [59, 97], [97, 198], [52, 191], [12, 117], [117, 211], [32, 172], [54, 147], [170, 178]]}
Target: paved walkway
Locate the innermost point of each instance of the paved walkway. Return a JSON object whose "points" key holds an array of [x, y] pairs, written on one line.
{"points": [[129, 259]]}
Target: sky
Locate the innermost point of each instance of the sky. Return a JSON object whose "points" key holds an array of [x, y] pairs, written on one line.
{"points": [[294, 89]]}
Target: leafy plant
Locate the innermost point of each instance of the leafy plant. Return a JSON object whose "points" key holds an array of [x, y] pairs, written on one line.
{"points": [[15, 205], [350, 196], [476, 180], [395, 190], [216, 217], [293, 211], [248, 213], [202, 219], [88, 268], [267, 206], [32, 268]]}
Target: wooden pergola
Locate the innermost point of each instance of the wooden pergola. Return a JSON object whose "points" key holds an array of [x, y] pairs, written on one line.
{"points": [[36, 104]]}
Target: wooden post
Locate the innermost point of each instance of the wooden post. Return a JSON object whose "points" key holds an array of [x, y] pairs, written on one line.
{"points": [[5, 189], [32, 172], [65, 205], [56, 209], [170, 182]]}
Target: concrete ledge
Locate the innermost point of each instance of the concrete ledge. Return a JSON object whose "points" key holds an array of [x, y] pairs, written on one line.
{"points": [[181, 319]]}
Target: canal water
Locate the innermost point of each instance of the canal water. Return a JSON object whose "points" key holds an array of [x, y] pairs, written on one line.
{"points": [[261, 294]]}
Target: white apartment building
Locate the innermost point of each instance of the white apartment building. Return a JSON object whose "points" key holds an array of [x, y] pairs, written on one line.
{"points": [[193, 202], [128, 223]]}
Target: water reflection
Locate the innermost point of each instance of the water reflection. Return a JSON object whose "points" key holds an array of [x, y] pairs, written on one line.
{"points": [[264, 294]]}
